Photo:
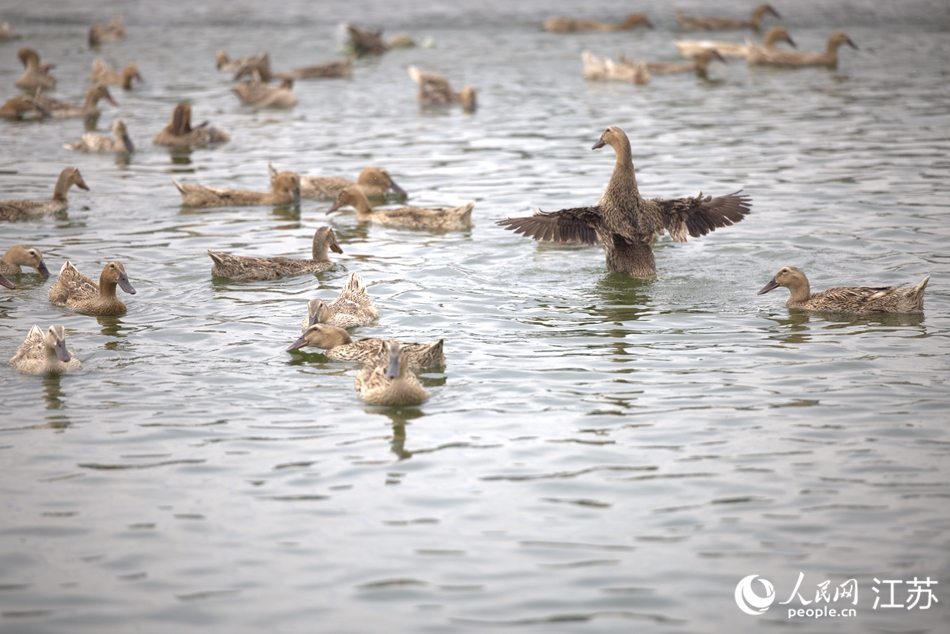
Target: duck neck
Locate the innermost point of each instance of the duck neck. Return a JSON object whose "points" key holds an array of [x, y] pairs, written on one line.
{"points": [[321, 250], [799, 293], [361, 204], [107, 287], [624, 179], [92, 99], [61, 189], [51, 362]]}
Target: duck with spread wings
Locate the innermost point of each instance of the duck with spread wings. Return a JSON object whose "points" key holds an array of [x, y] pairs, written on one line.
{"points": [[626, 223]]}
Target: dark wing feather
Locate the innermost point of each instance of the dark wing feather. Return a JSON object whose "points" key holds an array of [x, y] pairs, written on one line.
{"points": [[701, 215], [567, 225]]}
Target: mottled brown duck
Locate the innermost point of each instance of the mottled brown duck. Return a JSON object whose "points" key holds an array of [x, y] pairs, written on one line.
{"points": [[847, 299], [251, 269], [77, 292], [103, 74], [179, 132], [17, 107], [435, 90], [113, 31], [605, 69], [438, 218], [571, 25], [697, 23], [625, 223], [39, 353], [351, 309], [375, 183], [20, 209], [262, 95], [260, 68], [90, 108], [691, 48], [794, 59], [37, 74], [285, 190], [228, 65], [388, 381], [699, 65], [363, 42], [338, 346], [20, 255], [120, 141]]}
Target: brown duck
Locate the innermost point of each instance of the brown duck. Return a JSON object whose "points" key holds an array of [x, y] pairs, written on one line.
{"points": [[626, 223], [690, 48], [259, 66], [76, 291], [338, 346], [374, 182], [438, 218], [795, 59], [847, 299], [699, 65], [20, 255], [41, 353], [697, 23], [387, 379], [285, 190], [19, 209], [179, 132], [262, 95], [570, 25], [103, 74], [37, 73], [250, 269], [63, 110], [119, 142], [17, 107], [113, 31], [435, 90], [352, 308], [365, 42]]}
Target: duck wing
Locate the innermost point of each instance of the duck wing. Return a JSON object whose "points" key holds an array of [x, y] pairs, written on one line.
{"points": [[579, 224], [700, 215]]}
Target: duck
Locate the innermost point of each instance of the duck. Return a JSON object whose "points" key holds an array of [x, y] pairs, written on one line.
{"points": [[39, 353], [434, 90], [179, 132], [847, 299], [626, 223], [37, 74], [260, 68], [6, 31], [113, 31], [570, 25], [103, 74], [228, 65], [374, 182], [20, 255], [699, 65], [696, 23], [5, 282], [439, 218], [387, 379], [17, 107], [63, 110], [339, 346], [263, 95], [690, 48], [351, 309], [363, 42], [285, 190], [605, 69], [249, 269], [18, 209], [77, 292], [120, 141], [795, 59]]}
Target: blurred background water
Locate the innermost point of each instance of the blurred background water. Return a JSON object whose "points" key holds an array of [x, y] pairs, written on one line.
{"points": [[600, 454]]}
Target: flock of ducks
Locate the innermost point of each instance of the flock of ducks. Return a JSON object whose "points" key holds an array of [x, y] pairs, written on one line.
{"points": [[622, 221]]}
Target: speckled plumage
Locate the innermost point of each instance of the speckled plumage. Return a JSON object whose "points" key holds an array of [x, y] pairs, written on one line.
{"points": [[251, 269], [113, 31], [262, 95], [77, 292], [103, 74], [438, 218], [41, 353], [285, 190], [847, 299], [20, 209], [338, 346], [388, 381], [374, 182], [120, 141], [697, 23], [179, 132], [364, 42], [351, 309], [435, 90]]}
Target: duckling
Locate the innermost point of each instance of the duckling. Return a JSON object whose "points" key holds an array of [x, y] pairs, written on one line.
{"points": [[606, 69], [691, 48], [340, 347], [351, 309], [103, 74], [696, 23], [76, 291], [121, 142], [248, 269], [440, 218], [570, 25], [374, 182], [388, 381], [16, 107], [20, 255], [37, 74], [111, 32], [261, 69], [179, 132], [5, 282], [228, 65], [794, 59], [39, 353], [285, 190], [263, 95], [434, 90], [847, 299], [699, 65], [626, 223], [18, 209], [63, 110], [364, 42]]}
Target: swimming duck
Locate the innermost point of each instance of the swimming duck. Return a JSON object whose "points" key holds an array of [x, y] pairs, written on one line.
{"points": [[37, 74], [340, 347], [847, 299], [261, 69], [119, 142], [351, 309], [285, 190], [76, 291], [696, 23], [570, 25], [248, 269], [5, 282], [63, 110], [699, 65], [20, 255], [374, 182], [17, 209], [794, 59], [41, 353], [598, 69], [179, 132], [16, 107], [626, 223], [434, 90], [364, 42], [230, 65], [111, 32], [441, 218], [691, 48], [388, 381], [103, 74], [263, 95]]}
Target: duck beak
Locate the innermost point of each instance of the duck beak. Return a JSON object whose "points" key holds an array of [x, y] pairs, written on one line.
{"points": [[5, 282], [127, 142], [82, 184], [336, 205], [336, 248], [61, 351], [396, 188], [296, 193], [392, 369], [791, 42], [139, 77], [852, 44], [300, 343], [124, 284], [768, 287], [600, 143], [42, 270]]}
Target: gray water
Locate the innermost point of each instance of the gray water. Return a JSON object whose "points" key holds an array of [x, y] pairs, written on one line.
{"points": [[600, 454]]}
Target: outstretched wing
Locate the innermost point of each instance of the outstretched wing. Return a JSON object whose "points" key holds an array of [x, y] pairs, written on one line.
{"points": [[700, 215], [567, 225]]}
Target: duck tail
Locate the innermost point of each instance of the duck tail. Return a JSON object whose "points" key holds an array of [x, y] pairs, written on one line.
{"points": [[918, 293], [271, 170], [416, 74], [180, 187], [465, 211], [354, 285], [214, 256]]}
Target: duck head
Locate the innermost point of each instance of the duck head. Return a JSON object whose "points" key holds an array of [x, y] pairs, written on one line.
{"points": [[22, 255], [379, 177]]}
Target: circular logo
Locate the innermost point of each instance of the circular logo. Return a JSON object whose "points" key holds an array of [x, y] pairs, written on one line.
{"points": [[751, 603]]}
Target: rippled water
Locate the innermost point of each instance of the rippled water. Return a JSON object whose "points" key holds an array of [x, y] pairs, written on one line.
{"points": [[601, 454]]}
